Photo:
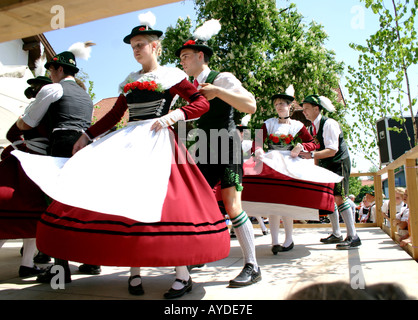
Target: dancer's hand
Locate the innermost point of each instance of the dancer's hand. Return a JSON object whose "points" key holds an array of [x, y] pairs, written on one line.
{"points": [[168, 120], [81, 143], [258, 153], [296, 150]]}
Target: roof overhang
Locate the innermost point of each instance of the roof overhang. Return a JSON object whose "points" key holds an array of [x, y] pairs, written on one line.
{"points": [[24, 18]]}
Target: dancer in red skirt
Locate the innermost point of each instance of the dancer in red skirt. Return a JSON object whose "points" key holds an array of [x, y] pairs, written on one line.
{"points": [[134, 197], [294, 188]]}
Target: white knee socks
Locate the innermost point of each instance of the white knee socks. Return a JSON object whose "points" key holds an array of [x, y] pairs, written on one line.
{"points": [[347, 214], [29, 249], [288, 231], [274, 222], [261, 223], [335, 222], [135, 271], [182, 273], [245, 235]]}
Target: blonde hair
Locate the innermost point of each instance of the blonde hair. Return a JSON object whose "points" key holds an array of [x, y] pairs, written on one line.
{"points": [[400, 190], [154, 38]]}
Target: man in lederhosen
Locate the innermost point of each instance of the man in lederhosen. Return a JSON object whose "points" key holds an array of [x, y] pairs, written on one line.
{"points": [[69, 111], [332, 154], [223, 164]]}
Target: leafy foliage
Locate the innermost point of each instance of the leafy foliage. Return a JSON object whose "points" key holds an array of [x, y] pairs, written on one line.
{"points": [[267, 49], [378, 86]]}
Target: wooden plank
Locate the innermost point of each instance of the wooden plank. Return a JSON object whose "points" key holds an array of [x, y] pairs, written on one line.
{"points": [[412, 187], [21, 19], [392, 201], [378, 199], [411, 154]]}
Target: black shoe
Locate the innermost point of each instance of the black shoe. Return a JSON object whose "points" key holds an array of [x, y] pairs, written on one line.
{"points": [[47, 276], [275, 249], [189, 268], [135, 290], [173, 293], [89, 269], [41, 258], [233, 235], [278, 248], [27, 271], [246, 277], [348, 243], [265, 233], [332, 239]]}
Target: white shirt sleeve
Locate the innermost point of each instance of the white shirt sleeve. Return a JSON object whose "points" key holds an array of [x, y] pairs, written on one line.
{"points": [[373, 214], [228, 81], [37, 109], [331, 134]]}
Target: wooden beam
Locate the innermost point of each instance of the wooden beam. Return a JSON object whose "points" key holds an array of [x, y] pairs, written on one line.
{"points": [[411, 154], [392, 201], [378, 199], [412, 188], [24, 18]]}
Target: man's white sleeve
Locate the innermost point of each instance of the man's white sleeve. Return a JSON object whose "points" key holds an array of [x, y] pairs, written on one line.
{"points": [[37, 109], [331, 134]]}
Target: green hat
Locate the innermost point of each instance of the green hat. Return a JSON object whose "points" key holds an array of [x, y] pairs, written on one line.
{"points": [[313, 99], [40, 80], [370, 191], [65, 58], [142, 30], [196, 44], [320, 101]]}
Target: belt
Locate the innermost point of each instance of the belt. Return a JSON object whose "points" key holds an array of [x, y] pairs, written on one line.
{"points": [[67, 129]]}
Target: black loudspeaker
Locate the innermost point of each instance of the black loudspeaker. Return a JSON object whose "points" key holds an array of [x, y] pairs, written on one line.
{"points": [[394, 144]]}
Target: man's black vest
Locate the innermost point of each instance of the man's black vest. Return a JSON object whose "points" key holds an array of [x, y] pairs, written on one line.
{"points": [[74, 109], [220, 114], [342, 152]]}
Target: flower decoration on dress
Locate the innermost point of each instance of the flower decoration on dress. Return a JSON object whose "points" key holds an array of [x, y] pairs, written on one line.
{"points": [[284, 140], [142, 85]]}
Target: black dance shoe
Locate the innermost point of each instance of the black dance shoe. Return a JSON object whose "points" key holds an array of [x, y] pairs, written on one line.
{"points": [[173, 293], [193, 266], [349, 243], [89, 269], [332, 239], [246, 277], [47, 276], [41, 258], [135, 290], [28, 272], [278, 248]]}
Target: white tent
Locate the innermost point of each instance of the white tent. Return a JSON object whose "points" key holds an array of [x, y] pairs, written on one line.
{"points": [[13, 82]]}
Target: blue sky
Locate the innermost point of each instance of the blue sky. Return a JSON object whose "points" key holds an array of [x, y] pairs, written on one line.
{"points": [[112, 60]]}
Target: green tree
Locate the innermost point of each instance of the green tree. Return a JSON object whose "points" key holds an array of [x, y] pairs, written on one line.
{"points": [[266, 48], [380, 85]]}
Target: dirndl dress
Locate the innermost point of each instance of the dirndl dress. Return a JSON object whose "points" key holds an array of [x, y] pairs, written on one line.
{"points": [[22, 202], [131, 198], [277, 184]]}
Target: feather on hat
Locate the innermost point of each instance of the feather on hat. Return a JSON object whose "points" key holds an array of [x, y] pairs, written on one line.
{"points": [[200, 37], [146, 24], [81, 50], [327, 104]]}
